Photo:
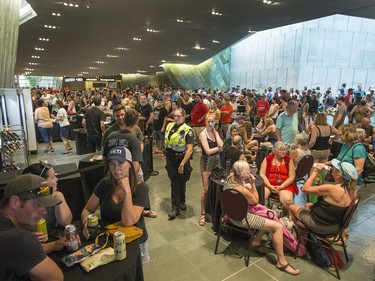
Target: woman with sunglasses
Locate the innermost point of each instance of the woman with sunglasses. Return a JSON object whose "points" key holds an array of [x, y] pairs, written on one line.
{"points": [[211, 144], [325, 215], [58, 215], [121, 197], [178, 148]]}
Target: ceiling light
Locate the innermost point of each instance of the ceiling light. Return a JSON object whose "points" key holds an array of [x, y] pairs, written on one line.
{"points": [[137, 39], [39, 49], [251, 30], [50, 26], [122, 48], [152, 66], [111, 56], [141, 71], [198, 47], [215, 41], [43, 39], [91, 67], [35, 57], [100, 62], [152, 30], [267, 2], [56, 14], [216, 13], [76, 6], [79, 74], [33, 63], [163, 61], [180, 54], [30, 69], [71, 5], [179, 20], [65, 4]]}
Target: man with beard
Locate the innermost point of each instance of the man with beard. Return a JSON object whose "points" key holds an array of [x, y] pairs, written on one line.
{"points": [[145, 110]]}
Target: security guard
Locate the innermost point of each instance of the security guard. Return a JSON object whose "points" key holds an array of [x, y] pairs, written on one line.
{"points": [[179, 140]]}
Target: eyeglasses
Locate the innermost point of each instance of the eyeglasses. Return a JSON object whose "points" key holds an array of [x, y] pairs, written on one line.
{"points": [[46, 167], [38, 192], [177, 116]]}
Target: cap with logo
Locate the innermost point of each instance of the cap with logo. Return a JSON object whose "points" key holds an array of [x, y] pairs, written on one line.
{"points": [[120, 154], [33, 187]]}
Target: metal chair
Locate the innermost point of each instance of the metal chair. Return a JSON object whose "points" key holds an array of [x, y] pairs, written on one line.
{"points": [[330, 239], [234, 207], [303, 168]]}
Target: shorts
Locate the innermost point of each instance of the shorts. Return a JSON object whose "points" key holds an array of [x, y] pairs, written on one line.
{"points": [[145, 257], [46, 134], [320, 154], [158, 135], [208, 162], [64, 132], [308, 221]]}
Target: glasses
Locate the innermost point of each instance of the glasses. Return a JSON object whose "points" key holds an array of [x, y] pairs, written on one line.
{"points": [[38, 192], [46, 167], [177, 116]]}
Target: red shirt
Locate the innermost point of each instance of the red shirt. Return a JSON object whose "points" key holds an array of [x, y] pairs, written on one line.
{"points": [[199, 111], [226, 118], [262, 108], [348, 99]]}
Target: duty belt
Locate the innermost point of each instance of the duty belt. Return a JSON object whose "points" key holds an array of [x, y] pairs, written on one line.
{"points": [[176, 148]]}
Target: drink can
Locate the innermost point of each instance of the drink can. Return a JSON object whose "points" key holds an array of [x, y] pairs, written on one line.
{"points": [[71, 236], [119, 245], [325, 167], [92, 225], [41, 226]]}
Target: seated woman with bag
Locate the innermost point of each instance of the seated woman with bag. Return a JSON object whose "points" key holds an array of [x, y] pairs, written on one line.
{"points": [[241, 175], [121, 197], [324, 216]]}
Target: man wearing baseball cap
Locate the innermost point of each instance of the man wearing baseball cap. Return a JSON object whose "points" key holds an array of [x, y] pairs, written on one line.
{"points": [[25, 200]]}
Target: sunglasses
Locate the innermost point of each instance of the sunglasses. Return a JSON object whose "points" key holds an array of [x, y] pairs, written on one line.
{"points": [[46, 167], [39, 192]]}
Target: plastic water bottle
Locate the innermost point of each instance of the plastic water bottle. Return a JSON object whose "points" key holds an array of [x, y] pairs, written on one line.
{"points": [[254, 169]]}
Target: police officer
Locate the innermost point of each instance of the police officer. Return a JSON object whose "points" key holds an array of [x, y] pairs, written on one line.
{"points": [[178, 148]]}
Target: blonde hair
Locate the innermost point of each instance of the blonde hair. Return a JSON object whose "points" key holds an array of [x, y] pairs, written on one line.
{"points": [[268, 122], [278, 145], [349, 134], [240, 167], [302, 139], [320, 119]]}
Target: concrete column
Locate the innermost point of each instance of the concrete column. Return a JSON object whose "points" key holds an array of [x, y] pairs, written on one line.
{"points": [[9, 26]]}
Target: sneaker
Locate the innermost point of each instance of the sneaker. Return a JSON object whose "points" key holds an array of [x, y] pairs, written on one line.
{"points": [[65, 152], [172, 215]]}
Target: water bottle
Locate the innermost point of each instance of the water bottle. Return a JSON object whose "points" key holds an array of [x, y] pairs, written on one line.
{"points": [[254, 169], [228, 166]]}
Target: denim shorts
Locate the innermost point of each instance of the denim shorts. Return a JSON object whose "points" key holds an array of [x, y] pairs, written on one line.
{"points": [[46, 134], [64, 132], [144, 252]]}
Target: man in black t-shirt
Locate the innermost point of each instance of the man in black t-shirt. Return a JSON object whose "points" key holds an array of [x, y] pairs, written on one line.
{"points": [[233, 152], [160, 113], [24, 203], [93, 121], [188, 106], [145, 110]]}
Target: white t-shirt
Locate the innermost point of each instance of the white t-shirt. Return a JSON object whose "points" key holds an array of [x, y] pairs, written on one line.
{"points": [[62, 112], [272, 109]]}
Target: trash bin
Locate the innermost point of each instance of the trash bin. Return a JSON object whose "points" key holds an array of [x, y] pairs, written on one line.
{"points": [[81, 141]]}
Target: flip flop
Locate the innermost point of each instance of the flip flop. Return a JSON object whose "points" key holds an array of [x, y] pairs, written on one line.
{"points": [[284, 269], [150, 214]]}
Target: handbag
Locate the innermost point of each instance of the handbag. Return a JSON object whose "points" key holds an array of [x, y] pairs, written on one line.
{"points": [[218, 173], [317, 253]]}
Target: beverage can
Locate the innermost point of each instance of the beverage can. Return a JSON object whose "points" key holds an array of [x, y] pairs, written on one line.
{"points": [[119, 245], [92, 225], [41, 226], [71, 236], [325, 167]]}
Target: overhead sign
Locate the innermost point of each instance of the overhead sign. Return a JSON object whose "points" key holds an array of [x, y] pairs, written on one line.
{"points": [[74, 79]]}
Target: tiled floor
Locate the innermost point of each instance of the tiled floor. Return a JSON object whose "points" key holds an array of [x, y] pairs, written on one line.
{"points": [[183, 250]]}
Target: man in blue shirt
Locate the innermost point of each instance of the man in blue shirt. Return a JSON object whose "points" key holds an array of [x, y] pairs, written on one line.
{"points": [[287, 124]]}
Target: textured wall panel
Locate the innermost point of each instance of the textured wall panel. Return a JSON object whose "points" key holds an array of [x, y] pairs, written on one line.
{"points": [[9, 25]]}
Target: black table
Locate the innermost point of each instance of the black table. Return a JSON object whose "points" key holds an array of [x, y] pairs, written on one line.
{"points": [[213, 204], [129, 269]]}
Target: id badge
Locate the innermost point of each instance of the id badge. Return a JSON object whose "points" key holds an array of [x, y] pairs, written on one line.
{"points": [[279, 181]]}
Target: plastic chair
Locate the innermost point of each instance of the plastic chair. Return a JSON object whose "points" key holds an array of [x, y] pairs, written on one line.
{"points": [[330, 239], [234, 207]]}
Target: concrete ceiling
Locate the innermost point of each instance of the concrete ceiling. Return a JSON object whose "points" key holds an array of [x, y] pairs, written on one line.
{"points": [[86, 34]]}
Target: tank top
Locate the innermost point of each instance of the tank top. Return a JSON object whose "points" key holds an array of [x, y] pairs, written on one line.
{"points": [[322, 143], [211, 144], [325, 213]]}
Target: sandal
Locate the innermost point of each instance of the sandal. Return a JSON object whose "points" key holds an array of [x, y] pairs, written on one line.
{"points": [[284, 268], [150, 214], [202, 220], [260, 249]]}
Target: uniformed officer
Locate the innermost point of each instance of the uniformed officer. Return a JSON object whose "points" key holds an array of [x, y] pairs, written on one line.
{"points": [[178, 148]]}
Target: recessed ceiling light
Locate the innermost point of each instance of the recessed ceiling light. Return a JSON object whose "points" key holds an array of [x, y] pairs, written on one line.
{"points": [[215, 41], [152, 30], [111, 56], [50, 26], [216, 13], [152, 66], [141, 71], [180, 20], [198, 47], [180, 54], [30, 69], [43, 39], [122, 48], [268, 2], [65, 4], [100, 62], [137, 39], [91, 67], [35, 57], [76, 6], [56, 14], [39, 49], [33, 63], [163, 61]]}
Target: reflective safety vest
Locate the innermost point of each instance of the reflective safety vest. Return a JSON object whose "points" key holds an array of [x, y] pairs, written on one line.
{"points": [[177, 141]]}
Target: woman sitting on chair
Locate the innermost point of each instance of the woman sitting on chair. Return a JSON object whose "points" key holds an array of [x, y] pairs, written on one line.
{"points": [[243, 181], [278, 173], [300, 149], [324, 216]]}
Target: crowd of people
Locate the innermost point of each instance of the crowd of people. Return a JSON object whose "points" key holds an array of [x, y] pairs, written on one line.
{"points": [[229, 126]]}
